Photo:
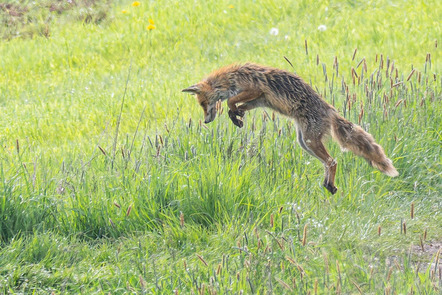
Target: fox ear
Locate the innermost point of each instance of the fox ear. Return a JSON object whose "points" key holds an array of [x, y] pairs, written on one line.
{"points": [[194, 89]]}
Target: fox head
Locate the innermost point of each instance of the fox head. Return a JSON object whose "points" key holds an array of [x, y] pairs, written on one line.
{"points": [[208, 94]]}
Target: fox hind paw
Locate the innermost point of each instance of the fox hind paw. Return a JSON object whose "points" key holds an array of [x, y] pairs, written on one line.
{"points": [[331, 188]]}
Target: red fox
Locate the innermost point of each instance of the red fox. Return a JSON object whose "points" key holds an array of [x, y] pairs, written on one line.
{"points": [[248, 86]]}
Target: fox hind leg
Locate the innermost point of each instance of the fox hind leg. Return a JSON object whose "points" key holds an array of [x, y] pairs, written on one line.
{"points": [[315, 147]]}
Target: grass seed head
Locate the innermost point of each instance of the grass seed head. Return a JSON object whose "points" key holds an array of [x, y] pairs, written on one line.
{"points": [[304, 235], [202, 259], [411, 74], [129, 210], [111, 222]]}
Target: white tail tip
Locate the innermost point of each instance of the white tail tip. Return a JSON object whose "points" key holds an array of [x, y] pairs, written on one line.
{"points": [[392, 172]]}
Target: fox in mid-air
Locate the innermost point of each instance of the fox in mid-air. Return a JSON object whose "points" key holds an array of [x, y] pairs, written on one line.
{"points": [[248, 86]]}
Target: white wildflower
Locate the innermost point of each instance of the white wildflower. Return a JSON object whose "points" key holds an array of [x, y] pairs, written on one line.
{"points": [[274, 31], [322, 28]]}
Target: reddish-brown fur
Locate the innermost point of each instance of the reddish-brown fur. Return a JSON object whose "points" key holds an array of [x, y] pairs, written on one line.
{"points": [[249, 86]]}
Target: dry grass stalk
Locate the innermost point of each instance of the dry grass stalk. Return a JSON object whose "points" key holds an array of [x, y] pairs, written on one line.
{"points": [[357, 286], [411, 74], [291, 260], [284, 284], [361, 114], [396, 263], [437, 259], [387, 67], [128, 210], [360, 62], [387, 290], [324, 255], [304, 235], [390, 270], [396, 84], [111, 222], [353, 75], [412, 210], [101, 149], [354, 54], [202, 259], [392, 68], [142, 282]]}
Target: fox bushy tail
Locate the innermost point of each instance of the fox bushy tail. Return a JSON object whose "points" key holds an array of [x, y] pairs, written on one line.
{"points": [[352, 137]]}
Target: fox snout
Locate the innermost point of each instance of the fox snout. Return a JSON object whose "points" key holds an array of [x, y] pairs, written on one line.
{"points": [[210, 114]]}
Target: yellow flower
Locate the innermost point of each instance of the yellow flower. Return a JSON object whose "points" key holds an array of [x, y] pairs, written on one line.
{"points": [[136, 3], [151, 22], [150, 27], [124, 11], [231, 6]]}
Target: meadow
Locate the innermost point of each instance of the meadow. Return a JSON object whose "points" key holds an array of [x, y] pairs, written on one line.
{"points": [[110, 183]]}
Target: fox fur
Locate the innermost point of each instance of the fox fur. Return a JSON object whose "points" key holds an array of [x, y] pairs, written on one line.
{"points": [[248, 86]]}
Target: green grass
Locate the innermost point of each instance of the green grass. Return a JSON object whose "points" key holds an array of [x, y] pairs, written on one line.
{"points": [[107, 189]]}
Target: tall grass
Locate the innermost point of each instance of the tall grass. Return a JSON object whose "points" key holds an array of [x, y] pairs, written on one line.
{"points": [[108, 190]]}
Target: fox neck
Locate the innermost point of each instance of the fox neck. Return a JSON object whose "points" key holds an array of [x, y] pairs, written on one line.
{"points": [[224, 95]]}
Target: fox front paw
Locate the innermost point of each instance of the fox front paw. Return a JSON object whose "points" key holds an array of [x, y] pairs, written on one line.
{"points": [[235, 120], [240, 113]]}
